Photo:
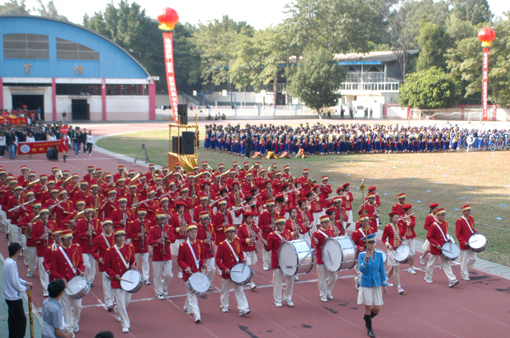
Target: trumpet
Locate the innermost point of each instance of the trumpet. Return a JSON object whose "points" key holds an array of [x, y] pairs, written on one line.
{"points": [[66, 180], [226, 173]]}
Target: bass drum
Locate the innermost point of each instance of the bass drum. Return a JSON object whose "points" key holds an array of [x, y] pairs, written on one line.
{"points": [[450, 251], [339, 253], [296, 257], [241, 274], [77, 287], [198, 283], [403, 254], [131, 281], [478, 242]]}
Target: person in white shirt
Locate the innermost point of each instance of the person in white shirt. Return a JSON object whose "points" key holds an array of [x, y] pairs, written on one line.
{"points": [[13, 289], [52, 137], [90, 142]]}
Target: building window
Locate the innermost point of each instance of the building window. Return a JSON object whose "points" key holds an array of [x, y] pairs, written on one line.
{"points": [[26, 46], [78, 89], [126, 89], [69, 50]]}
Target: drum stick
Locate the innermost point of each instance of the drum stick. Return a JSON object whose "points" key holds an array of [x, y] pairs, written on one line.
{"points": [[447, 251], [126, 280], [31, 315]]}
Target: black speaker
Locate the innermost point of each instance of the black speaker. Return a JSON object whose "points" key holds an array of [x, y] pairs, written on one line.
{"points": [[182, 110], [175, 143], [188, 142]]}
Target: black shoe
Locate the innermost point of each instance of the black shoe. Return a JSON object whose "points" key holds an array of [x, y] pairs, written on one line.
{"points": [[368, 324]]}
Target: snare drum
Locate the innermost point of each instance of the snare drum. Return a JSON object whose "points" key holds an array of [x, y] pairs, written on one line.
{"points": [[296, 257], [77, 287], [131, 281], [198, 283], [478, 242], [339, 253], [450, 251], [403, 254], [241, 274]]}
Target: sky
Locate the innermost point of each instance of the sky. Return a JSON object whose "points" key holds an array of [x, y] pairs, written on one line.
{"points": [[259, 13]]}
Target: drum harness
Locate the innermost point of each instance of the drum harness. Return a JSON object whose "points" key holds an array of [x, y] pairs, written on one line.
{"points": [[442, 233], [469, 225], [67, 259], [194, 256], [396, 233], [121, 257]]}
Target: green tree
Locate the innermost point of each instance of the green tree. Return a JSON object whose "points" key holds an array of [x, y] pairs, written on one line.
{"points": [[429, 89], [338, 26], [433, 41], [474, 11], [217, 43], [49, 10], [465, 63], [14, 7], [317, 78]]}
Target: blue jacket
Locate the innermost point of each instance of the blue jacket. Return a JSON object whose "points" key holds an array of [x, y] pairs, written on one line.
{"points": [[373, 272]]}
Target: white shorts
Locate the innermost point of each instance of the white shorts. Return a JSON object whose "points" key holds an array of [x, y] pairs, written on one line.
{"points": [[390, 261], [411, 243], [426, 245], [370, 296]]}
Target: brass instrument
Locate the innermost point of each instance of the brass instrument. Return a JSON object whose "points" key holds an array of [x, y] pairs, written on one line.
{"points": [[78, 215], [136, 177], [164, 178], [67, 179], [226, 173], [60, 174], [29, 231], [33, 182], [157, 172]]}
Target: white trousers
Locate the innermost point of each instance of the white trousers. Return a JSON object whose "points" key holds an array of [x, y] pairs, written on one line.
{"points": [[242, 302], [43, 275], [349, 217], [72, 310], [162, 275], [192, 304], [211, 269], [277, 286], [326, 280], [90, 267], [144, 257], [31, 252], [467, 260], [123, 298], [447, 268], [251, 257], [15, 233], [107, 289], [266, 259]]}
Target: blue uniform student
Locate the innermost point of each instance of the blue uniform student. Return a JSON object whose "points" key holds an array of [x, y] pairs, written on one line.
{"points": [[373, 279]]}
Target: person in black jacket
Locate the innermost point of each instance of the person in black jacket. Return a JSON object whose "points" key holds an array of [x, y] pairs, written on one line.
{"points": [[83, 140]]}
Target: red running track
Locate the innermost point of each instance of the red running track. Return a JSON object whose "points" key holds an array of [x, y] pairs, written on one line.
{"points": [[478, 308]]}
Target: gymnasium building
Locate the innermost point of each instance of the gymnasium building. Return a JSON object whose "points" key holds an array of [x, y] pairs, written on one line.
{"points": [[58, 67]]}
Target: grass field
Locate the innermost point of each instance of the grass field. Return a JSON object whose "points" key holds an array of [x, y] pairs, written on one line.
{"points": [[481, 179]]}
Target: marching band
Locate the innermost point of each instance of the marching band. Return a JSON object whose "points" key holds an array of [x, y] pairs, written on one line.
{"points": [[211, 221]]}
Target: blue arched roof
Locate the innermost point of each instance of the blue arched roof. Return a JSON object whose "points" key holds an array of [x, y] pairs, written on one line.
{"points": [[114, 61]]}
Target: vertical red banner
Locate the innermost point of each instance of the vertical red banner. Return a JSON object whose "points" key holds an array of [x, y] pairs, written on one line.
{"points": [[170, 76], [485, 78]]}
